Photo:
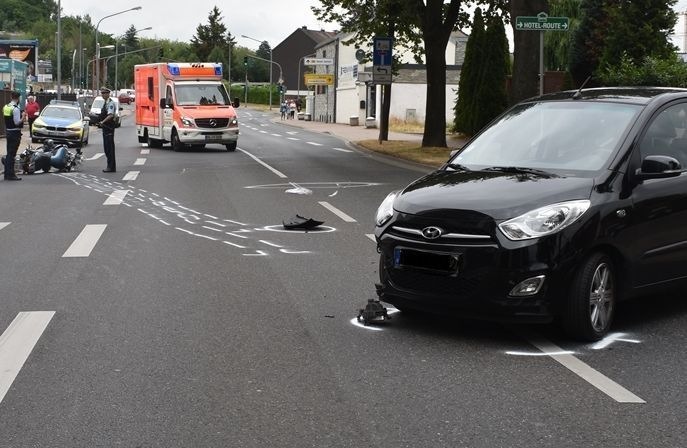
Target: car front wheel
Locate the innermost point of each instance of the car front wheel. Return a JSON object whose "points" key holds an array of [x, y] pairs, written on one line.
{"points": [[591, 301]]}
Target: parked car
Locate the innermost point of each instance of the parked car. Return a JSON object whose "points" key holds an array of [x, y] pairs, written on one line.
{"points": [[559, 209], [124, 98], [96, 108], [61, 121]]}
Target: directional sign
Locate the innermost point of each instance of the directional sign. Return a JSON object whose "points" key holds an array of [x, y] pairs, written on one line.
{"points": [[541, 22], [318, 61], [316, 79], [381, 60], [381, 74]]}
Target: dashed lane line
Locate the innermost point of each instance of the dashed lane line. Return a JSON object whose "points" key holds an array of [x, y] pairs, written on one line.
{"points": [[145, 151], [140, 161], [314, 143], [342, 150], [336, 211], [371, 236], [274, 170], [17, 342], [86, 241], [131, 175], [116, 197], [3, 225]]}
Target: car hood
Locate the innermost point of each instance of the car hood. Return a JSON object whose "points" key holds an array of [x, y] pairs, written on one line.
{"points": [[499, 195], [58, 122]]}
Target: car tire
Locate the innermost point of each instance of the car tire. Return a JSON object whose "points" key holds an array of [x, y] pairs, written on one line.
{"points": [[591, 301], [231, 147], [176, 143]]}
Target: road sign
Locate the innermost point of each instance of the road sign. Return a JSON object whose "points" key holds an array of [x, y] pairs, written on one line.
{"points": [[317, 79], [381, 74], [318, 61], [381, 60], [541, 22]]}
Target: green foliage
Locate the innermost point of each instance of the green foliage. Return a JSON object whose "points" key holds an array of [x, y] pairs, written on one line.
{"points": [[557, 45], [588, 41], [660, 72], [213, 36], [469, 77], [257, 94]]}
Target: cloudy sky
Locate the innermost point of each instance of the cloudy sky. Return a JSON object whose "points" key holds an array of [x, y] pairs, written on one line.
{"points": [[270, 20]]}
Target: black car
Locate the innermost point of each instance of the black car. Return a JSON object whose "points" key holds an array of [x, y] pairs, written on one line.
{"points": [[561, 207]]}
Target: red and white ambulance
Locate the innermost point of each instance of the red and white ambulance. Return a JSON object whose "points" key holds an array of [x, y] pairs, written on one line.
{"points": [[184, 104]]}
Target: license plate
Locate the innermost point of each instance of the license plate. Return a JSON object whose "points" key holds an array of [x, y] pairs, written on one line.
{"points": [[213, 137], [447, 263]]}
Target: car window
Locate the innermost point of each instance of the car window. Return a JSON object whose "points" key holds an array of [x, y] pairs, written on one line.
{"points": [[666, 136], [578, 136]]}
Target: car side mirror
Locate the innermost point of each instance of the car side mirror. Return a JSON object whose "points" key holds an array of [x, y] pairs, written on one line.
{"points": [[163, 103], [658, 167]]}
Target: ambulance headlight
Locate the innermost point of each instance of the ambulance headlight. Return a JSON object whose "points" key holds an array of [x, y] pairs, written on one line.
{"points": [[187, 121]]}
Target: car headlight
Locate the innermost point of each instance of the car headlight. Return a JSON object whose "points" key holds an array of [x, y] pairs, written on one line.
{"points": [[544, 221], [233, 122], [386, 209], [188, 121], [38, 124]]}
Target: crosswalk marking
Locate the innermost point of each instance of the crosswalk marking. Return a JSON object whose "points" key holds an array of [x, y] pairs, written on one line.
{"points": [[86, 241], [116, 197], [131, 175], [145, 151], [17, 342], [3, 225], [140, 161]]}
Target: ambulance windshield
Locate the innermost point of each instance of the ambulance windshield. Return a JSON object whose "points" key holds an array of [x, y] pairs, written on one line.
{"points": [[201, 94]]}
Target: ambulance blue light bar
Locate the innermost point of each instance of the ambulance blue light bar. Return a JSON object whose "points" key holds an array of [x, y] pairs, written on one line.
{"points": [[195, 69]]}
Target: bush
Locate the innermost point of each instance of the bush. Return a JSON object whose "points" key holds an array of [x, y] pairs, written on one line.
{"points": [[256, 94], [668, 72]]}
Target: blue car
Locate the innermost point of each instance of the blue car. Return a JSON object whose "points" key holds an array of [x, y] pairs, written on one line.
{"points": [[61, 121]]}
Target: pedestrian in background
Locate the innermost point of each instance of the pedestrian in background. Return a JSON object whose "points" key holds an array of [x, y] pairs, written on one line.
{"points": [[14, 122], [33, 109], [292, 109], [107, 124], [282, 109]]}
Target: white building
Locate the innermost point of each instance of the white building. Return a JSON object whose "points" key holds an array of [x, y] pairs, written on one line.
{"points": [[354, 96]]}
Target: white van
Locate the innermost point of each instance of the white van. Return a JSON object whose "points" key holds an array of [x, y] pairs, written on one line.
{"points": [[97, 106]]}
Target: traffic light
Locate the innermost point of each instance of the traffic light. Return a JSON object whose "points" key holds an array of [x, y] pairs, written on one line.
{"points": [[245, 61]]}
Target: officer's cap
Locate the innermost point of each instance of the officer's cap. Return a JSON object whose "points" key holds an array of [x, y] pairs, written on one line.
{"points": [[104, 90]]}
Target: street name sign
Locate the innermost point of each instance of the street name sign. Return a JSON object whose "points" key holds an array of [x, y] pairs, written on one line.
{"points": [[318, 61], [541, 22]]}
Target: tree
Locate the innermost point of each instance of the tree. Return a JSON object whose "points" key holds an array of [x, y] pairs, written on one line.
{"points": [[469, 77], [557, 45], [526, 51], [588, 41], [211, 36]]}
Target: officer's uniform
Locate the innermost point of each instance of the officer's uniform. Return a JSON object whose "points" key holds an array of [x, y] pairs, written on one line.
{"points": [[107, 123], [13, 125]]}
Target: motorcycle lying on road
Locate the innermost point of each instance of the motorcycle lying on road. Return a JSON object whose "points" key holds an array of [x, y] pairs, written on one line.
{"points": [[46, 157]]}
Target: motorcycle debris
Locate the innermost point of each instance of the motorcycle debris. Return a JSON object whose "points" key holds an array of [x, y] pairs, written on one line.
{"points": [[373, 312], [299, 222]]}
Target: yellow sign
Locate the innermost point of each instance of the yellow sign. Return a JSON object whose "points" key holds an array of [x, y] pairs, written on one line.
{"points": [[316, 79]]}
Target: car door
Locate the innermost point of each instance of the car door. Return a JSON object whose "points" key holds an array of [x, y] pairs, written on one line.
{"points": [[659, 206]]}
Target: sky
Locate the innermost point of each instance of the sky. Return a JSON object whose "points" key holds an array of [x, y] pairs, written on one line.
{"points": [[265, 20]]}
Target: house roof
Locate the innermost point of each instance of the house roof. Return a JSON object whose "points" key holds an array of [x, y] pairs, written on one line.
{"points": [[316, 36]]}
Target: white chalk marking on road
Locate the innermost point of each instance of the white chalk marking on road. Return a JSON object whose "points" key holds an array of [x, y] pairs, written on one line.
{"points": [[371, 236], [269, 244], [235, 235], [336, 211], [17, 343], [234, 244], [292, 132], [584, 371], [96, 156], [611, 338], [389, 311], [275, 171], [184, 230], [235, 222], [297, 189], [263, 132], [205, 236], [342, 150], [145, 152], [314, 143], [210, 216], [4, 224], [116, 197], [212, 228], [164, 222], [216, 223], [131, 175], [293, 138], [86, 241], [259, 253], [277, 135], [140, 161], [562, 352], [287, 251]]}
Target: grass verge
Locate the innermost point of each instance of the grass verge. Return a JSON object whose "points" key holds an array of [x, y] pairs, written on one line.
{"points": [[406, 150]]}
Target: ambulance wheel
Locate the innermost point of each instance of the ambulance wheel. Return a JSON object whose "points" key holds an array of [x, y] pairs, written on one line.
{"points": [[231, 147], [176, 143]]}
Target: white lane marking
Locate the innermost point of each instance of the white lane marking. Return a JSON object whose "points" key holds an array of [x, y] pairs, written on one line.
{"points": [[17, 342], [140, 161], [96, 156], [131, 175], [336, 211], [145, 151], [4, 224], [342, 150], [584, 371], [233, 244], [611, 338], [293, 138], [275, 171], [292, 132], [314, 143], [277, 135], [371, 236], [263, 132], [116, 197], [86, 241]]}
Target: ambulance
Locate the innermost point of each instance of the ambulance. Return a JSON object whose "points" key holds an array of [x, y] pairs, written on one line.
{"points": [[184, 104]]}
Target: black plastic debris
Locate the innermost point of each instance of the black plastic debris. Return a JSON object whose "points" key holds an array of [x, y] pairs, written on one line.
{"points": [[299, 222], [373, 312]]}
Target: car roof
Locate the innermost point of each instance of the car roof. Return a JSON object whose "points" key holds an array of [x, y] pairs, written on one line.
{"points": [[636, 95]]}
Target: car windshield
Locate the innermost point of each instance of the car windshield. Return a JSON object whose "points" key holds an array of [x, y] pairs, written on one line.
{"points": [[62, 112], [97, 103], [201, 94], [567, 136]]}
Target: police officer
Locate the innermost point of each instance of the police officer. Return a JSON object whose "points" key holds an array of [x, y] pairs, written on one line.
{"points": [[14, 122], [107, 123]]}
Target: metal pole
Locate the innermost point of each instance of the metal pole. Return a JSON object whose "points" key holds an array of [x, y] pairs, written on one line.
{"points": [[97, 44], [59, 50], [116, 64], [541, 62], [80, 57], [245, 88], [270, 77], [73, 65]]}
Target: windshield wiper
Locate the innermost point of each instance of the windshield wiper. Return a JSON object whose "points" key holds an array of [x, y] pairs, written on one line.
{"points": [[520, 170], [458, 166]]}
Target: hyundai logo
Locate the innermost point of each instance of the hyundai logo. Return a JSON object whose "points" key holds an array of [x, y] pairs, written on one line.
{"points": [[213, 123], [432, 233]]}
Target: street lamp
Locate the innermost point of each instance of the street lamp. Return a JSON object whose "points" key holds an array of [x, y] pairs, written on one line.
{"points": [[97, 44], [270, 47], [97, 65], [116, 84], [298, 79]]}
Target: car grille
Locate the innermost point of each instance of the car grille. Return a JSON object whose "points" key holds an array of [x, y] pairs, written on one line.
{"points": [[212, 122], [460, 227], [55, 128]]}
